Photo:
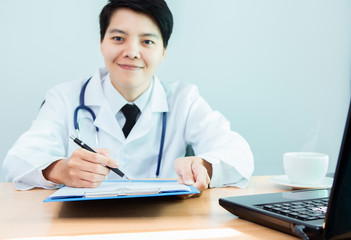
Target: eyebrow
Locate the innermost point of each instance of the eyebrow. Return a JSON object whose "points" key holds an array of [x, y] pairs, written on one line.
{"points": [[116, 30]]}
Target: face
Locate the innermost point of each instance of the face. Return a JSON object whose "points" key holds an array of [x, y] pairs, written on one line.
{"points": [[132, 49]]}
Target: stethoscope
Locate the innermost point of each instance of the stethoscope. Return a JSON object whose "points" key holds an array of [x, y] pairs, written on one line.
{"points": [[82, 106]]}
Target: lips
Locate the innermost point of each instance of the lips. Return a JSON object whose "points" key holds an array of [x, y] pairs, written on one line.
{"points": [[130, 67]]}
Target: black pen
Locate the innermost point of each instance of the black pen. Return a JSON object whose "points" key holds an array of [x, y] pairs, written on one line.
{"points": [[85, 146]]}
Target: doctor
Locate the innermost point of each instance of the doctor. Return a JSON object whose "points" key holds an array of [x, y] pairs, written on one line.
{"points": [[168, 116]]}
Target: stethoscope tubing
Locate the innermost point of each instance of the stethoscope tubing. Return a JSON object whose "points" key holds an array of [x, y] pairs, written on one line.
{"points": [[163, 133], [82, 106]]}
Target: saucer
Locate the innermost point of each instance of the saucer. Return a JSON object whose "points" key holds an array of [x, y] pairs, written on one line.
{"points": [[283, 180]]}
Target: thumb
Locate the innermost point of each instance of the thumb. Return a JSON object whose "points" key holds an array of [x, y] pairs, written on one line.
{"points": [[188, 177], [184, 171]]}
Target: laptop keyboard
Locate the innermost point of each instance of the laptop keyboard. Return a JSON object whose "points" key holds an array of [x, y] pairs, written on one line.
{"points": [[305, 210]]}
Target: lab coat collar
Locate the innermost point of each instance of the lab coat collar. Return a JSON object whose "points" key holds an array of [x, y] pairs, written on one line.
{"points": [[158, 99], [94, 95], [105, 118], [94, 98]]}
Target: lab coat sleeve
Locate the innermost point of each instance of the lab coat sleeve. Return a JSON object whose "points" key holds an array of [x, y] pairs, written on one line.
{"points": [[44, 143], [210, 135]]}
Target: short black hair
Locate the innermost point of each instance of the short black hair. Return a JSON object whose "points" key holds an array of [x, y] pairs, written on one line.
{"points": [[156, 9]]}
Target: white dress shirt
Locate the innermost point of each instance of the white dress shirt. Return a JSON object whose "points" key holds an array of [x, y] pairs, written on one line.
{"points": [[117, 101]]}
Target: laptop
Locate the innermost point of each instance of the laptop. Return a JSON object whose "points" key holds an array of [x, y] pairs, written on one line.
{"points": [[308, 214]]}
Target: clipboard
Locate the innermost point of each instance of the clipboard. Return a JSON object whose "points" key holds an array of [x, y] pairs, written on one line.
{"points": [[118, 189]]}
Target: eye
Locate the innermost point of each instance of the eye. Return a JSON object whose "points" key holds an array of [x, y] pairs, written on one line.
{"points": [[118, 38], [148, 42]]}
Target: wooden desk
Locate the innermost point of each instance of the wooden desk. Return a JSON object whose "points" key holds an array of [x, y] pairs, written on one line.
{"points": [[24, 214]]}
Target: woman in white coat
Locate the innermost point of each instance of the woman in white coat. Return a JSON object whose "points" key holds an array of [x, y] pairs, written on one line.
{"points": [[134, 37]]}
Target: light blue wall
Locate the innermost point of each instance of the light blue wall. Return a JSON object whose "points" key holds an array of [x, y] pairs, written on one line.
{"points": [[278, 70]]}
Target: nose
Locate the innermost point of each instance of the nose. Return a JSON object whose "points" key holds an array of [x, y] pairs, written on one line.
{"points": [[132, 50]]}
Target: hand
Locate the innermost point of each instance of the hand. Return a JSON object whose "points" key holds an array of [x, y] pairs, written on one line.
{"points": [[83, 169], [193, 171]]}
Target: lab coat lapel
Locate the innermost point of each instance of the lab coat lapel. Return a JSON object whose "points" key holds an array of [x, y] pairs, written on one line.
{"points": [[106, 121], [157, 104], [144, 125], [94, 98]]}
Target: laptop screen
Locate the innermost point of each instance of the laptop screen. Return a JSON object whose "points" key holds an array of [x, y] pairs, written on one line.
{"points": [[338, 220]]}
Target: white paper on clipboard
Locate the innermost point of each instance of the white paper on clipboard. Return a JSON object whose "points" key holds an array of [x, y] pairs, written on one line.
{"points": [[121, 188]]}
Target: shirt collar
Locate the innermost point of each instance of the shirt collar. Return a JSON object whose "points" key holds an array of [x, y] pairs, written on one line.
{"points": [[95, 95], [117, 101]]}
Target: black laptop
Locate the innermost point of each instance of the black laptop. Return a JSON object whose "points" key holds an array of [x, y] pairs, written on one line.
{"points": [[308, 214]]}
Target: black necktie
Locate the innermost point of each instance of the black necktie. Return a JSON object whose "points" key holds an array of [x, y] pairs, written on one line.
{"points": [[131, 112]]}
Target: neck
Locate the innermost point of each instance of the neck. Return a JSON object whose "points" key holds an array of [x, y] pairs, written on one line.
{"points": [[131, 93], [130, 96]]}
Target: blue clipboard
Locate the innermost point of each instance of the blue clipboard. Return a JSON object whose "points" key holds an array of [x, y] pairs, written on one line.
{"points": [[118, 189]]}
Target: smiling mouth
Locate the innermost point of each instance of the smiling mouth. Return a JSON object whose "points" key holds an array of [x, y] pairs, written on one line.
{"points": [[129, 67]]}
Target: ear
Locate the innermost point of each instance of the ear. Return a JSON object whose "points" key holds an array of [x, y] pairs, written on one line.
{"points": [[163, 54], [101, 47]]}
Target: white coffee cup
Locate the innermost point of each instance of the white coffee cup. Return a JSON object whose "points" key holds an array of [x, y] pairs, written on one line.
{"points": [[306, 168]]}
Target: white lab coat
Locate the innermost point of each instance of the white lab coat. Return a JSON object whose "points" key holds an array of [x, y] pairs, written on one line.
{"points": [[190, 120]]}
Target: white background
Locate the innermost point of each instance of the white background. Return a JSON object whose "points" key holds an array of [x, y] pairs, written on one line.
{"points": [[278, 70]]}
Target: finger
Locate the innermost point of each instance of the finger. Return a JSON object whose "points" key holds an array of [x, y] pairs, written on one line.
{"points": [[186, 196], [180, 180], [188, 176], [81, 183], [201, 178], [100, 158], [94, 168], [76, 164], [201, 182], [103, 151], [84, 179], [184, 171], [106, 160], [92, 177]]}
